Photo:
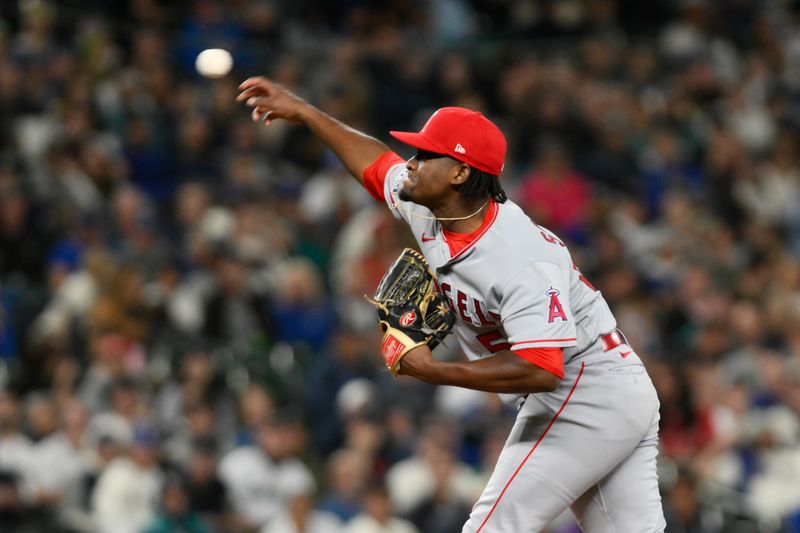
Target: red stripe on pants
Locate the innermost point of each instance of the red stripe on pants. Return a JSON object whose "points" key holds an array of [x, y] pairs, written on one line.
{"points": [[555, 417]]}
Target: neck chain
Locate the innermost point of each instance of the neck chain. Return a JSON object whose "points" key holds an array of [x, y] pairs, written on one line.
{"points": [[449, 219]]}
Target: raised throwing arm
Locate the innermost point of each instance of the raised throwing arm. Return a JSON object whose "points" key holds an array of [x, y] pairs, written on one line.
{"points": [[270, 101]]}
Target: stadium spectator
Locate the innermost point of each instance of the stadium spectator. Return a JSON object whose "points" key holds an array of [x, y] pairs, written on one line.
{"points": [[164, 261], [126, 495], [176, 513], [261, 478]]}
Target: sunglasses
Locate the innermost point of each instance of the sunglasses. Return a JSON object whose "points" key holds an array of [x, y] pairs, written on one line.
{"points": [[424, 155]]}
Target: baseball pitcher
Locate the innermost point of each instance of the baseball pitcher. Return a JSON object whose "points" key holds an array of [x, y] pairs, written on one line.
{"points": [[532, 326]]}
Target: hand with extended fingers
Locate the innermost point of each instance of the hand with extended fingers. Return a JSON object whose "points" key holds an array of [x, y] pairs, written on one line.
{"points": [[270, 100]]}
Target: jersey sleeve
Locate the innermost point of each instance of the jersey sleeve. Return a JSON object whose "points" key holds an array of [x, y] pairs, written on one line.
{"points": [[550, 359], [374, 177], [383, 180], [535, 309]]}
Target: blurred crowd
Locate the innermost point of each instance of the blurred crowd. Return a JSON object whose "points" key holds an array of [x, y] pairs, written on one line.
{"points": [[185, 343]]}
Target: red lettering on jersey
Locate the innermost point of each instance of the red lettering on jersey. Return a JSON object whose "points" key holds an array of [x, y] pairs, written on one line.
{"points": [[488, 338], [462, 307], [583, 278], [446, 291], [469, 309], [556, 310], [479, 311], [552, 239]]}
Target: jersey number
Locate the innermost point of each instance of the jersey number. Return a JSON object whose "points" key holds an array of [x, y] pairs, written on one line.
{"points": [[489, 337], [552, 239], [583, 278]]}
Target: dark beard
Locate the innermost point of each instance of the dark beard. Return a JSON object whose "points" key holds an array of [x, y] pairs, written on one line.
{"points": [[404, 196]]}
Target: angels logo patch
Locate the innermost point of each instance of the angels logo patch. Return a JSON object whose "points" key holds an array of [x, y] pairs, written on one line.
{"points": [[556, 311]]}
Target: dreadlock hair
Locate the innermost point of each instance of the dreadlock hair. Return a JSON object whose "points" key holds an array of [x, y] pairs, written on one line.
{"points": [[481, 184]]}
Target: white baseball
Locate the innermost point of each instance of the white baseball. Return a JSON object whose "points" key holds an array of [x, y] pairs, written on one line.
{"points": [[214, 62]]}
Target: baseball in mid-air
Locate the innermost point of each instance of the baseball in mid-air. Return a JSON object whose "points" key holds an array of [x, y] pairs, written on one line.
{"points": [[214, 62]]}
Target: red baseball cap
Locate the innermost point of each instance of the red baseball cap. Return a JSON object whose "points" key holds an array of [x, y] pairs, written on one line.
{"points": [[465, 135]]}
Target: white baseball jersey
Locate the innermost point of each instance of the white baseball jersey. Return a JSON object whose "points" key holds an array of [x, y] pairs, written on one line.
{"points": [[515, 287], [591, 444]]}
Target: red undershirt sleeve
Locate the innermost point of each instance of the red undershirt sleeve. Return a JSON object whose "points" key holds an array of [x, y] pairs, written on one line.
{"points": [[550, 359], [375, 174]]}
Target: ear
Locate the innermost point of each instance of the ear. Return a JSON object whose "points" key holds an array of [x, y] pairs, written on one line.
{"points": [[461, 175]]}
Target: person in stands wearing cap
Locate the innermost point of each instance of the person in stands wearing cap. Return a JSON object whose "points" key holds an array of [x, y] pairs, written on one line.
{"points": [[532, 326]]}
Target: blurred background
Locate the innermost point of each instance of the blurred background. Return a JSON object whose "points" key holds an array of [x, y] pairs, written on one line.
{"points": [[185, 344]]}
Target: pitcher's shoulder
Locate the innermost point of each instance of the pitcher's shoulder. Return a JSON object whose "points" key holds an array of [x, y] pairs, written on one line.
{"points": [[521, 239]]}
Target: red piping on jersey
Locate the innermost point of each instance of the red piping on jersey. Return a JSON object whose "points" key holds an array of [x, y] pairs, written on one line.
{"points": [[514, 475], [487, 223], [544, 340]]}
